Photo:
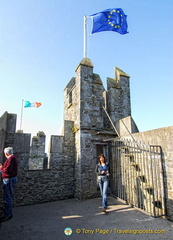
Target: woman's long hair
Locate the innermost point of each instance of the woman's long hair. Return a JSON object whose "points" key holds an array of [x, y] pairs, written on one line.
{"points": [[101, 155]]}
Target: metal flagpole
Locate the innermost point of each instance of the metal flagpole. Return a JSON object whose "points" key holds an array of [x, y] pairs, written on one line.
{"points": [[21, 116], [85, 36]]}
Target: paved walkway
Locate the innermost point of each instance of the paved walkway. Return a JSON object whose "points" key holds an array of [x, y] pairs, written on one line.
{"points": [[47, 222]]}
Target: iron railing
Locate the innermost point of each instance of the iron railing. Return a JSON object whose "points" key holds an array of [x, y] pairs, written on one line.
{"points": [[138, 175]]}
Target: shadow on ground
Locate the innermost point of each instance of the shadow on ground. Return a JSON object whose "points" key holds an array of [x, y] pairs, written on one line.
{"points": [[85, 220]]}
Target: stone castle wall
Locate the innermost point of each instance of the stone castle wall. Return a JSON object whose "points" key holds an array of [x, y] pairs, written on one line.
{"points": [[37, 152], [87, 132], [40, 185], [163, 137], [85, 97], [119, 105]]}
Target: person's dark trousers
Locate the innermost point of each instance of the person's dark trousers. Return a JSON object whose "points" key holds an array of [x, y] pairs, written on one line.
{"points": [[8, 186]]}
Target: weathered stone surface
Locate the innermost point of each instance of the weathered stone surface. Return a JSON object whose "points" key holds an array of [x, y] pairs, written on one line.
{"points": [[22, 142], [44, 185], [11, 123], [37, 152], [2, 143], [87, 132], [3, 121], [164, 138], [126, 126]]}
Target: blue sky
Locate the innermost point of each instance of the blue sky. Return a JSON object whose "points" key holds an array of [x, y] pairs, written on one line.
{"points": [[41, 44]]}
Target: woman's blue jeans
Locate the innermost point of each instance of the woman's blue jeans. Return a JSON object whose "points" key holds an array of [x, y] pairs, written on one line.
{"points": [[103, 184], [8, 186]]}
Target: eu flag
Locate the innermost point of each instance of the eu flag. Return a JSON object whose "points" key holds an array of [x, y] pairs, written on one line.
{"points": [[112, 19]]}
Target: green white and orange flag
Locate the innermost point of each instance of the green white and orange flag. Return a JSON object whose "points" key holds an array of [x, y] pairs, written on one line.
{"points": [[31, 104]]}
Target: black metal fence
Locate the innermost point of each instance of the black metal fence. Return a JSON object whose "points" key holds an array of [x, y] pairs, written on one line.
{"points": [[137, 175]]}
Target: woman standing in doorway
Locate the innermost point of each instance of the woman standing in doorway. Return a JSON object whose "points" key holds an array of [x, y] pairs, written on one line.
{"points": [[102, 171]]}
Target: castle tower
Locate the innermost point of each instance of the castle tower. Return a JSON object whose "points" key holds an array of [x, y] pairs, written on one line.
{"points": [[84, 99], [90, 89]]}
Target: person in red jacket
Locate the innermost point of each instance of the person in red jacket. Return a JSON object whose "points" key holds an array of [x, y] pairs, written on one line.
{"points": [[9, 176]]}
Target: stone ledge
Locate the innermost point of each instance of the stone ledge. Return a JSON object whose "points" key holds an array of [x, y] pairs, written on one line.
{"points": [[85, 62]]}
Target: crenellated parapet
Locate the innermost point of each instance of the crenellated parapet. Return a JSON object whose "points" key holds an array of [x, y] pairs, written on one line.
{"points": [[119, 104], [94, 119], [85, 99]]}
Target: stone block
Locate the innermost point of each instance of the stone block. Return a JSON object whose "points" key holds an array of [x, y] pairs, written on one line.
{"points": [[22, 142], [3, 121], [11, 123], [126, 126], [56, 144], [2, 142]]}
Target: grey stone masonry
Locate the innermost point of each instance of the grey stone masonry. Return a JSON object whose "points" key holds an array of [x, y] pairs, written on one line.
{"points": [[8, 122], [93, 117], [41, 185], [37, 151], [164, 138], [7, 130], [119, 105], [22, 149], [62, 148], [85, 97]]}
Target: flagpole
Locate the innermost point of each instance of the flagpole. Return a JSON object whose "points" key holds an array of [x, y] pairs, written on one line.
{"points": [[21, 116], [85, 36]]}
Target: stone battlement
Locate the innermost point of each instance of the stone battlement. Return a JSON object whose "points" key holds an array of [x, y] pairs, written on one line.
{"points": [[93, 117]]}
